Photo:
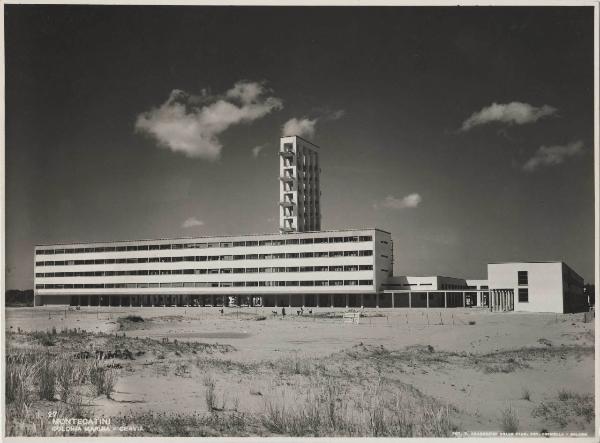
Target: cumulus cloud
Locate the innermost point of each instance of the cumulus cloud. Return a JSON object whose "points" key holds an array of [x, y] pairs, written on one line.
{"points": [[391, 202], [511, 113], [192, 222], [334, 115], [256, 150], [553, 155], [305, 127], [190, 124]]}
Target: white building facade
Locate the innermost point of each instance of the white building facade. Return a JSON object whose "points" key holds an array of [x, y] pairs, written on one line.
{"points": [[299, 189], [325, 268], [538, 286]]}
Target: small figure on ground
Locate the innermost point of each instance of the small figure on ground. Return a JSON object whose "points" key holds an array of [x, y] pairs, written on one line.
{"points": [[283, 312]]}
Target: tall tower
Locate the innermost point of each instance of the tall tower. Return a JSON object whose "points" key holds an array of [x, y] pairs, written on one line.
{"points": [[299, 191]]}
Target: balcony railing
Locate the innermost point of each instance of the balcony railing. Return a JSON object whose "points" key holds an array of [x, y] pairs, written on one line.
{"points": [[286, 178], [287, 203], [287, 154]]}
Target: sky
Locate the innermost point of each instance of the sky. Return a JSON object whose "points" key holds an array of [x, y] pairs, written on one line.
{"points": [[465, 132]]}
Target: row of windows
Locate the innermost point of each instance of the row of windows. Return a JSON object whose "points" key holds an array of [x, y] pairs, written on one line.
{"points": [[339, 268], [226, 244], [207, 284], [110, 261], [447, 286]]}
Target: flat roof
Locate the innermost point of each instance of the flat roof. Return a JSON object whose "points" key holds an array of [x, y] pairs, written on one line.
{"points": [[205, 237], [303, 139], [523, 261], [427, 276]]}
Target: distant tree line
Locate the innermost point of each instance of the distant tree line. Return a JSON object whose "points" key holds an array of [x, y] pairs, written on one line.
{"points": [[16, 297]]}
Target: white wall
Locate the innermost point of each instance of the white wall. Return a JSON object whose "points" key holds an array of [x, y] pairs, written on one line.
{"points": [[544, 284], [477, 283]]}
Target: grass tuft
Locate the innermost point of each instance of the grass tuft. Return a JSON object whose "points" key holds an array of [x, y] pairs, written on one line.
{"points": [[510, 421], [103, 379], [209, 395]]}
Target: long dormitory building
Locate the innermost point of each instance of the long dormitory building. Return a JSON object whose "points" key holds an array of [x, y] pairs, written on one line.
{"points": [[325, 268]]}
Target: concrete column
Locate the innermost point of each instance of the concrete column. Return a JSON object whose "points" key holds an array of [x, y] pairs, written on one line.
{"points": [[362, 300], [89, 300], [318, 298], [303, 300], [276, 297], [393, 304], [223, 300], [347, 301], [377, 300], [427, 299], [212, 300], [410, 299], [109, 300], [331, 300], [445, 299], [464, 299], [289, 300]]}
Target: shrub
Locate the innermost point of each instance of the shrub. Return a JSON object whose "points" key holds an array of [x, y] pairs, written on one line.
{"points": [[525, 394], [564, 395], [510, 421], [102, 379], [134, 318], [76, 408], [45, 338]]}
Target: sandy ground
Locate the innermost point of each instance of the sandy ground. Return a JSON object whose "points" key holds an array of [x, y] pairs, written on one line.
{"points": [[244, 379]]}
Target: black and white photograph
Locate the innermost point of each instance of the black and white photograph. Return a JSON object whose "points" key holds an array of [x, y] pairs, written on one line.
{"points": [[341, 220]]}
